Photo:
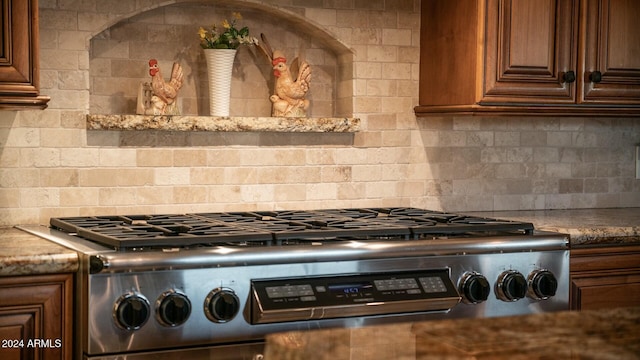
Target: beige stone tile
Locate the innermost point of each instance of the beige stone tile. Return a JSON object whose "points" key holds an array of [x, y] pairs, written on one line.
{"points": [[154, 157], [556, 170], [39, 157], [322, 191], [384, 190], [240, 175], [54, 177], [97, 177], [382, 53], [154, 195], [79, 196], [385, 121], [326, 17], [290, 192], [172, 176], [411, 189], [351, 190], [229, 194], [396, 138], [352, 156], [118, 196], [257, 193], [393, 172], [320, 156], [190, 157], [399, 71], [191, 194], [118, 157], [366, 172], [21, 137], [79, 157], [335, 174], [19, 178], [10, 217], [9, 198], [73, 119], [207, 176]]}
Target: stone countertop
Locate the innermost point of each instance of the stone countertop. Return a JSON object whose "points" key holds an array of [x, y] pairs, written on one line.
{"points": [[586, 227], [224, 124], [598, 334], [26, 254]]}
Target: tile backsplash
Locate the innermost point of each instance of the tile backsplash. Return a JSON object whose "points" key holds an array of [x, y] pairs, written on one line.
{"points": [[50, 165]]}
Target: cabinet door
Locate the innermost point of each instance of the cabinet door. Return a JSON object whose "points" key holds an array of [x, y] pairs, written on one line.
{"points": [[19, 64], [17, 325], [36, 317], [605, 277], [602, 291], [611, 51], [531, 51]]}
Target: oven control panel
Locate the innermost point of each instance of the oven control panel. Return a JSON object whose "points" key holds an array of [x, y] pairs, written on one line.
{"points": [[295, 299]]}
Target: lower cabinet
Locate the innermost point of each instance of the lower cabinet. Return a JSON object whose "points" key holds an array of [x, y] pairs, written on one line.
{"points": [[605, 277], [36, 317]]}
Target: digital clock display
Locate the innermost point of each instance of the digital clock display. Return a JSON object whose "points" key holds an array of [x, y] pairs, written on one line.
{"points": [[350, 288]]}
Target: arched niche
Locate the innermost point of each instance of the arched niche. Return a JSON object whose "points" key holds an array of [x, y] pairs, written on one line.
{"points": [[167, 30]]}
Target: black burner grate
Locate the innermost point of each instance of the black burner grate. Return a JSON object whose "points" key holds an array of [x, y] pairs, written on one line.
{"points": [[263, 228], [157, 230]]}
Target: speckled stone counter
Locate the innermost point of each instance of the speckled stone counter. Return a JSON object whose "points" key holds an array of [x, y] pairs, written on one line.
{"points": [[225, 124], [586, 227], [26, 254], [605, 334]]}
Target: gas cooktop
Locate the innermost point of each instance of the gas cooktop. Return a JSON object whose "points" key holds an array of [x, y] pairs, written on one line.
{"points": [[265, 228]]}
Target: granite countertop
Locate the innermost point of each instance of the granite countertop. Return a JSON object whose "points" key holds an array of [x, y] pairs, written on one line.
{"points": [[603, 334], [222, 123], [586, 227], [26, 254]]}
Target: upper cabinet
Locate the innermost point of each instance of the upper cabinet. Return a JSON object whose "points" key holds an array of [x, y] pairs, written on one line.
{"points": [[19, 75], [530, 57]]}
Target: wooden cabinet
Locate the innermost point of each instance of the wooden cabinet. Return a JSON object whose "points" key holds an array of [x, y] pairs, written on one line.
{"points": [[531, 57], [605, 277], [36, 317], [610, 52], [19, 62]]}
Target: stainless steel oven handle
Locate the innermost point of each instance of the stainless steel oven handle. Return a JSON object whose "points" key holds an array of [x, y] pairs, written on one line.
{"points": [[261, 316]]}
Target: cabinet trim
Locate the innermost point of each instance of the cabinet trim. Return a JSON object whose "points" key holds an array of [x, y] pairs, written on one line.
{"points": [[528, 110], [605, 258]]}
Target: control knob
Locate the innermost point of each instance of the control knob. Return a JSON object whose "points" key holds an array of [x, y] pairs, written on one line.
{"points": [[172, 308], [221, 305], [131, 311], [542, 284], [474, 288], [511, 286]]}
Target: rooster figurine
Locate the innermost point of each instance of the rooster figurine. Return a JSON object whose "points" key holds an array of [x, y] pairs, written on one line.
{"points": [[289, 94], [163, 94]]}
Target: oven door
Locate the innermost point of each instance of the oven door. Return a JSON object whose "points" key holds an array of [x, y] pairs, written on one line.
{"points": [[242, 351]]}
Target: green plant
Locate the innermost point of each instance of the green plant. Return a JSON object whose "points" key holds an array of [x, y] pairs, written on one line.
{"points": [[227, 36]]}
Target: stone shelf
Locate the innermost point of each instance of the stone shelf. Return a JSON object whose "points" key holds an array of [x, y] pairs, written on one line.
{"points": [[222, 124]]}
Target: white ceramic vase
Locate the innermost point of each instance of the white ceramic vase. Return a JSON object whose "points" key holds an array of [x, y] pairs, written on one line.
{"points": [[219, 69]]}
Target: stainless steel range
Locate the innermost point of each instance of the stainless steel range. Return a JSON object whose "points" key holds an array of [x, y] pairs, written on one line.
{"points": [[211, 285]]}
